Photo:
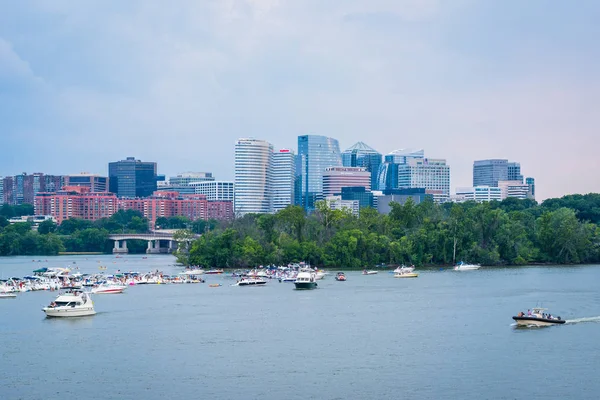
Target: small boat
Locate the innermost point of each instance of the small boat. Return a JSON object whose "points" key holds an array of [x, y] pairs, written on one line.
{"points": [[404, 269], [74, 303], [214, 285], [461, 266], [214, 272], [306, 280], [405, 274], [108, 289], [7, 295], [250, 281], [537, 317], [340, 277], [371, 272], [287, 279]]}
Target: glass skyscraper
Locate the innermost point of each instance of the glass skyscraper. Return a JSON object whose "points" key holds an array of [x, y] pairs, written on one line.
{"points": [[387, 175], [361, 155], [490, 172], [253, 176], [315, 154], [132, 178], [283, 179], [433, 175]]}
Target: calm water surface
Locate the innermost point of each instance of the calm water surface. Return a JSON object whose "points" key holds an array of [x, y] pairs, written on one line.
{"points": [[443, 335]]}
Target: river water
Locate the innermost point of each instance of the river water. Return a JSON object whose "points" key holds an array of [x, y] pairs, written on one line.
{"points": [[444, 335]]}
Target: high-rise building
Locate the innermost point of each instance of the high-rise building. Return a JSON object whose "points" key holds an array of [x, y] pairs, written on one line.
{"points": [[253, 169], [430, 174], [514, 189], [514, 172], [22, 189], [215, 190], [1, 191], [364, 197], [531, 184], [335, 178], [387, 175], [283, 179], [132, 178], [479, 193], [315, 154], [187, 178], [361, 155], [96, 183]]}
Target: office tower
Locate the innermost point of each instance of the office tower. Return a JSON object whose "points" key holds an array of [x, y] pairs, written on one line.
{"points": [[283, 179], [514, 172], [335, 178], [489, 172], [96, 183], [516, 189], [361, 155], [253, 169], [479, 193], [187, 178], [387, 175], [132, 178], [215, 190], [433, 175], [315, 154], [531, 184], [1, 191], [364, 197]]}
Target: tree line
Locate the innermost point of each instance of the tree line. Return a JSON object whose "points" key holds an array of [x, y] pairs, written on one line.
{"points": [[510, 232]]}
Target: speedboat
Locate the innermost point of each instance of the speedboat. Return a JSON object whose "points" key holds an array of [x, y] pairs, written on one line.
{"points": [[405, 274], [371, 272], [251, 281], [461, 266], [404, 269], [214, 272], [7, 295], [105, 288], [340, 276], [74, 303], [306, 280], [537, 317]]}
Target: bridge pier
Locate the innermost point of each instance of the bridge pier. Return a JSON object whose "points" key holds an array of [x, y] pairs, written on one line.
{"points": [[118, 249], [153, 247]]}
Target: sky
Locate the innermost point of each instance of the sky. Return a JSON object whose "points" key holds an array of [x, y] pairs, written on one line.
{"points": [[88, 82]]}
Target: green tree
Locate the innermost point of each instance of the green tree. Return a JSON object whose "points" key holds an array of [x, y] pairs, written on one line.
{"points": [[47, 226]]}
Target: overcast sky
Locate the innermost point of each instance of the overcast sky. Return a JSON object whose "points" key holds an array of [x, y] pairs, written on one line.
{"points": [[86, 82]]}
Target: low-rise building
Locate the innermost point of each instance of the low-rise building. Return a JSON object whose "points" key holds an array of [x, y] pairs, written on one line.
{"points": [[479, 193], [336, 203]]}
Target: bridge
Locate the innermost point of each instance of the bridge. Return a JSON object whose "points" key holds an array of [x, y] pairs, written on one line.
{"points": [[155, 239]]}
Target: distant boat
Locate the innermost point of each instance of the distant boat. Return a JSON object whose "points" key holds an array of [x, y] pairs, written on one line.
{"points": [[461, 266], [371, 272], [340, 277], [214, 272], [250, 281]]}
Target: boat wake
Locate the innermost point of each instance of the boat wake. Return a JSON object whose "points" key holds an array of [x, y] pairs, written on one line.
{"points": [[580, 320]]}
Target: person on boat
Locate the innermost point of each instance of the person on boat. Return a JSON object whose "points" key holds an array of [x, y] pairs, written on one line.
{"points": [[529, 313]]}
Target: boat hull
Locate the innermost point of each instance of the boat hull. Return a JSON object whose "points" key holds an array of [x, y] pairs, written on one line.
{"points": [[406, 275], [7, 295], [64, 312], [305, 285], [533, 321], [108, 291]]}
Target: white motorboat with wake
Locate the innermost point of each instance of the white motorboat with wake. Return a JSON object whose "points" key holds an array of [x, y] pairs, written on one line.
{"points": [[461, 266], [537, 317]]}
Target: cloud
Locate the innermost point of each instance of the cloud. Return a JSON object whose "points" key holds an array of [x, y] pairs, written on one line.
{"points": [[100, 80]]}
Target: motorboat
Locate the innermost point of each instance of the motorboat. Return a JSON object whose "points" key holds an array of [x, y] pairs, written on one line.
{"points": [[107, 288], [7, 295], [320, 274], [404, 269], [193, 272], [340, 277], [306, 280], [251, 281], [74, 303], [461, 266], [537, 317], [405, 274], [214, 272], [370, 272]]}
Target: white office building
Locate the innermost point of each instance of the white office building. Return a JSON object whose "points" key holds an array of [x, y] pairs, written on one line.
{"points": [[283, 179], [187, 178], [336, 203], [215, 190], [479, 194], [516, 189], [253, 176], [427, 173]]}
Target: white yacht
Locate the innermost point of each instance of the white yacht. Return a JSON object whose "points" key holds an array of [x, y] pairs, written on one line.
{"points": [[251, 281], [461, 266], [108, 288], [74, 303]]}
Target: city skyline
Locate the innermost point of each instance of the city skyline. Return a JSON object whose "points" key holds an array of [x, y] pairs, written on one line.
{"points": [[483, 82]]}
